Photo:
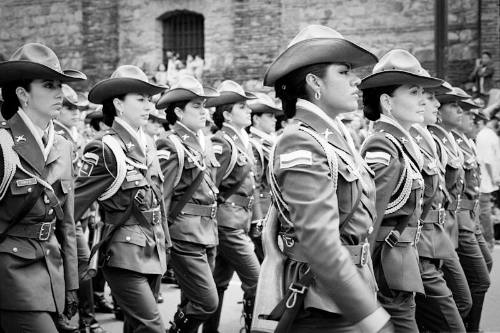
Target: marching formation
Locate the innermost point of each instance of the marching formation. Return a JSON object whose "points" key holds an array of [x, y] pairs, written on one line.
{"points": [[326, 232]]}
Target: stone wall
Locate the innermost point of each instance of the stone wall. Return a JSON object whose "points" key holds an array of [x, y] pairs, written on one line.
{"points": [[490, 32]]}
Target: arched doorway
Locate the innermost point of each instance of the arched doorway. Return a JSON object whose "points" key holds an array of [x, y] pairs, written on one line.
{"points": [[183, 33]]}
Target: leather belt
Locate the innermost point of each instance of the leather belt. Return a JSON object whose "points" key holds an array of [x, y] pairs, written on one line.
{"points": [[464, 204], [359, 253], [435, 216], [392, 237], [239, 200], [41, 231], [200, 210], [153, 216]]}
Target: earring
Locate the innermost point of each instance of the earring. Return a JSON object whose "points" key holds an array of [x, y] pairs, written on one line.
{"points": [[180, 117], [317, 95]]}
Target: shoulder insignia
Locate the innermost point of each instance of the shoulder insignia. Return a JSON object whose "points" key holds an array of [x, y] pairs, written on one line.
{"points": [[299, 157], [91, 157], [86, 169], [163, 154], [381, 157], [217, 149]]}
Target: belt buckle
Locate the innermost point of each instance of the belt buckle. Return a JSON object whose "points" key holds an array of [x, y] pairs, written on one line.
{"points": [[418, 232], [392, 238], [250, 202], [213, 211], [44, 233], [363, 258], [156, 218], [441, 216]]}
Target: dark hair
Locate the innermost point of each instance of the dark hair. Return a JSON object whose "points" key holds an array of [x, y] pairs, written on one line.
{"points": [[487, 53], [293, 86], [218, 116], [10, 100], [109, 110], [94, 123], [371, 100], [170, 112]]}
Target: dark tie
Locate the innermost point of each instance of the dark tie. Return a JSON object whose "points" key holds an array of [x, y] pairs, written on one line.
{"points": [[45, 138]]}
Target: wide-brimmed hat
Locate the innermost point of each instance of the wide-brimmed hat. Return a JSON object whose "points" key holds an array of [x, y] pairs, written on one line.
{"points": [[186, 89], [455, 95], [317, 44], [72, 97], [158, 116], [230, 93], [398, 67], [480, 114], [125, 79], [443, 88], [36, 61], [97, 113], [263, 104], [468, 104]]}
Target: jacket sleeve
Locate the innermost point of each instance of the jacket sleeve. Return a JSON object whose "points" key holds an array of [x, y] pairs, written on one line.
{"points": [[257, 209], [222, 150], [169, 164], [382, 157], [303, 176], [66, 233], [96, 174]]}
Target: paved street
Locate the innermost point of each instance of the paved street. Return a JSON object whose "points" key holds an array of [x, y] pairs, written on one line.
{"points": [[232, 310]]}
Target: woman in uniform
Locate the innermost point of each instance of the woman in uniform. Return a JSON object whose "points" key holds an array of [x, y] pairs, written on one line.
{"points": [[464, 203], [436, 311], [121, 170], [38, 256], [187, 163], [323, 189], [235, 180], [393, 95]]}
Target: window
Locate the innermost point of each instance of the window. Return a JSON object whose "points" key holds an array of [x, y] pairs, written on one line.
{"points": [[183, 33]]}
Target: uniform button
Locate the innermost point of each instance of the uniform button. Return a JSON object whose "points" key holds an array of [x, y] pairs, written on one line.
{"points": [[50, 211], [30, 189], [232, 204], [14, 249], [46, 199], [370, 230], [127, 238], [48, 252], [136, 182]]}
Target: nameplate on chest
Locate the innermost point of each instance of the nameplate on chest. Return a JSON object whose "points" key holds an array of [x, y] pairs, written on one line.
{"points": [[26, 182], [133, 176]]}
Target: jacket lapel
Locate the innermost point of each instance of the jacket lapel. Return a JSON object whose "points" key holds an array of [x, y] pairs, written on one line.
{"points": [[132, 146], [25, 144]]}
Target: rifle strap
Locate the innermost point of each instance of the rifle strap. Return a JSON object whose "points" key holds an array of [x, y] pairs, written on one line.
{"points": [[186, 196]]}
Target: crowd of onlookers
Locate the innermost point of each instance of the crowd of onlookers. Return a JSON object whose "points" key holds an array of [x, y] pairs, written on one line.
{"points": [[168, 74]]}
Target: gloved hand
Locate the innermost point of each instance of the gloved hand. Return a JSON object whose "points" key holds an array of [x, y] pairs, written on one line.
{"points": [[71, 306]]}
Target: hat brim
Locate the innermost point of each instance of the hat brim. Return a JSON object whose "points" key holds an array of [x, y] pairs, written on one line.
{"points": [[316, 51], [438, 90], [259, 108], [161, 120], [12, 71], [113, 87], [94, 115], [467, 106], [182, 94], [229, 97], [395, 77], [450, 98]]}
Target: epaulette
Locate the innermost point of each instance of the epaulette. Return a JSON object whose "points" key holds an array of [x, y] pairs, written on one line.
{"points": [[179, 147], [121, 165], [234, 156]]}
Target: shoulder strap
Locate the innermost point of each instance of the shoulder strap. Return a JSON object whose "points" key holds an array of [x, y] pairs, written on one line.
{"points": [[9, 160], [234, 156], [121, 166], [256, 144], [179, 147]]}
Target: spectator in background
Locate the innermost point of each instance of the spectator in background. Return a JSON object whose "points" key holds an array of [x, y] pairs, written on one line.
{"points": [[161, 75], [482, 75], [197, 65], [488, 154]]}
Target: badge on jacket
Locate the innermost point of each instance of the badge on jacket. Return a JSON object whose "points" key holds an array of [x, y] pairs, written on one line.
{"points": [[89, 160]]}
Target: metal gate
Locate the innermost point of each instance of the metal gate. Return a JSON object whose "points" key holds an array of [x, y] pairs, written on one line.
{"points": [[183, 33]]}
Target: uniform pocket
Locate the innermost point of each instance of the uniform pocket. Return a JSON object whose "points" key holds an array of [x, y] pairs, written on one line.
{"points": [[18, 247], [130, 236], [66, 185]]}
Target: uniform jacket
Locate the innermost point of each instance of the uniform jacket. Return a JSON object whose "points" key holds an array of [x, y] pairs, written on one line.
{"points": [[137, 246], [387, 159], [34, 274], [188, 227], [316, 218], [455, 180], [65, 132], [434, 242], [261, 148], [242, 176]]}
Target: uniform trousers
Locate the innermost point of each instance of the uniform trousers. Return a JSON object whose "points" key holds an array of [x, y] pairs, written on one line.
{"points": [[27, 322], [476, 272], [485, 206], [136, 294], [193, 266], [483, 245], [456, 281], [436, 310]]}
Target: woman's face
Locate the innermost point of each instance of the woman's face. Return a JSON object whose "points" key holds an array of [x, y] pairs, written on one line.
{"points": [[407, 105], [194, 115], [467, 124], [240, 115], [339, 89], [45, 98], [153, 128], [134, 109], [265, 122], [431, 108], [451, 114]]}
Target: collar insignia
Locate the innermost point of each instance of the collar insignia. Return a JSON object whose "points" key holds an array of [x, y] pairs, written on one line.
{"points": [[403, 140], [20, 138], [130, 145], [418, 138], [184, 137]]}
